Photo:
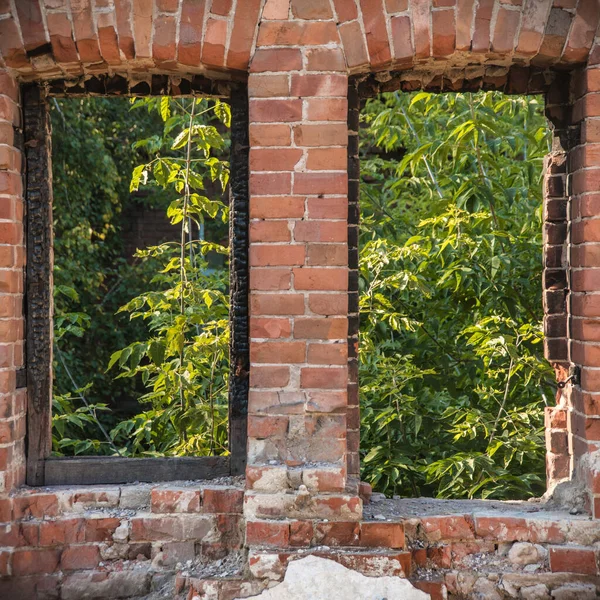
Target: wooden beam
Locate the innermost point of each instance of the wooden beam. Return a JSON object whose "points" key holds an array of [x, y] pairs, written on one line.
{"points": [[239, 351], [88, 470], [38, 279]]}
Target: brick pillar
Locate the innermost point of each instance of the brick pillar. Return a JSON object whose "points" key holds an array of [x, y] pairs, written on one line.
{"points": [[353, 414], [555, 285], [584, 325], [12, 400], [297, 425]]}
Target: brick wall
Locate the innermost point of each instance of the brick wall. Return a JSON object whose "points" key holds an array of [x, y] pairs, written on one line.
{"points": [[101, 540], [307, 63], [12, 260]]}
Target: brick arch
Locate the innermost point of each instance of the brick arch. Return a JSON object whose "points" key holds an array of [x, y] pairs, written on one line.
{"points": [[45, 39]]}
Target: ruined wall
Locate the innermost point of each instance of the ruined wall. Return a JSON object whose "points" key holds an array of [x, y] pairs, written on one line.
{"points": [[307, 63]]}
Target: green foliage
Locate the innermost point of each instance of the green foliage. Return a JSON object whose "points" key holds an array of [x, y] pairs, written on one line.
{"points": [[453, 379], [183, 364], [174, 332]]}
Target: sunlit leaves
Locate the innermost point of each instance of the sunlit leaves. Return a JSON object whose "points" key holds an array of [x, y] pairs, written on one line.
{"points": [[450, 288]]}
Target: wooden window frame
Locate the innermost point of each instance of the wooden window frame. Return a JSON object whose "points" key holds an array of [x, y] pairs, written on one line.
{"points": [[42, 469]]}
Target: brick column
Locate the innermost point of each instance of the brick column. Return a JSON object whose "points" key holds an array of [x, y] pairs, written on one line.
{"points": [[298, 267], [12, 400], [584, 326], [555, 285], [353, 413]]}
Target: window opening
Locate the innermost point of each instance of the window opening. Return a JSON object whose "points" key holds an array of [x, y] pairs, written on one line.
{"points": [[140, 281], [453, 380]]}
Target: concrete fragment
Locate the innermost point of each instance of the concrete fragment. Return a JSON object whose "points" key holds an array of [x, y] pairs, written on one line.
{"points": [[96, 585], [524, 553], [135, 496], [535, 592], [484, 589], [575, 591], [314, 578]]}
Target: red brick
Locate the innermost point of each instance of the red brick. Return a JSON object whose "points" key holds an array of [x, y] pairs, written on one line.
{"points": [[301, 533], [311, 9], [328, 304], [567, 559], [481, 35], [277, 352], [270, 328], [341, 533], [394, 6], [10, 44], [297, 34], [265, 255], [277, 304], [587, 354], [326, 109], [319, 85], [402, 38], [270, 279], [278, 207], [320, 378], [448, 528], [327, 255], [268, 533], [327, 354], [276, 402], [223, 501], [507, 25], [327, 208], [444, 33], [276, 59], [270, 183], [346, 11], [35, 505], [322, 328], [270, 231], [270, 135], [31, 25], [242, 35], [325, 59], [267, 86], [79, 557], [321, 135], [190, 32], [265, 427], [585, 305], [100, 530], [382, 535], [60, 532], [354, 44], [376, 32], [280, 159], [269, 377], [221, 7], [9, 86], [30, 562], [276, 9], [175, 501], [171, 5], [108, 40], [327, 159], [265, 111], [316, 183], [316, 278], [321, 231], [503, 529], [587, 230], [213, 46]]}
